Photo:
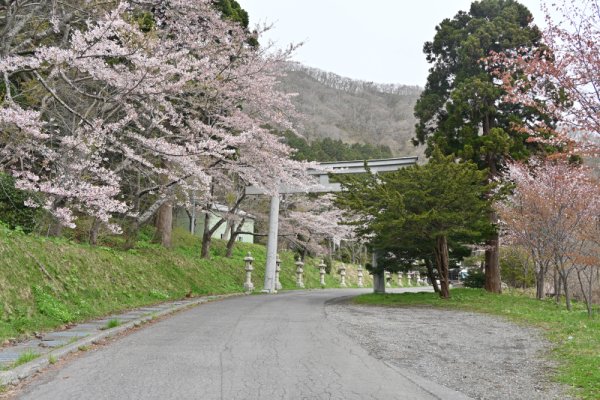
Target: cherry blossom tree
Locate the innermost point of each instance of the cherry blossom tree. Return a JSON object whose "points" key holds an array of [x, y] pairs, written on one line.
{"points": [[552, 205], [554, 209], [588, 262], [308, 221], [561, 77], [131, 106]]}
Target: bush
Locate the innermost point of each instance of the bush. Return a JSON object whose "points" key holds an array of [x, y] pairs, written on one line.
{"points": [[475, 279], [515, 268], [13, 211]]}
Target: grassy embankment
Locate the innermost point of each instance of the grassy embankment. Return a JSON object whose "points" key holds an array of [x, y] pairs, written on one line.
{"points": [[575, 336], [46, 283]]}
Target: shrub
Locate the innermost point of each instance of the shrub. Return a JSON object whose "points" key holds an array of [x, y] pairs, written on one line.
{"points": [[13, 211], [475, 279], [516, 269]]}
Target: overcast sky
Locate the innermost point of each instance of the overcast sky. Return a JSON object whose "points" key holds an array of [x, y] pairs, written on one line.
{"points": [[376, 40]]}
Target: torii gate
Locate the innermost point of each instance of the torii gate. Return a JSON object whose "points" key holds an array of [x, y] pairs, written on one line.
{"points": [[341, 167]]}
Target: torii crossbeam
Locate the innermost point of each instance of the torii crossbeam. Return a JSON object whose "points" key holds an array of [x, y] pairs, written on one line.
{"points": [[339, 167]]}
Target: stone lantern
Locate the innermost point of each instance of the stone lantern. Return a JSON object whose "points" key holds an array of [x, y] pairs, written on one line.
{"points": [[322, 267], [248, 285], [299, 273], [343, 275], [277, 271], [360, 276]]}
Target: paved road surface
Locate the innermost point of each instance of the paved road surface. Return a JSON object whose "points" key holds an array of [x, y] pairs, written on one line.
{"points": [[252, 347]]}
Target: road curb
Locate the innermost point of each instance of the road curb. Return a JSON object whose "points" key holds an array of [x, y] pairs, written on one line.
{"points": [[438, 391], [17, 374]]}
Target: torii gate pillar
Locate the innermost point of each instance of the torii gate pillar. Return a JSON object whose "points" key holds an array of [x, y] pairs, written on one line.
{"points": [[272, 246]]}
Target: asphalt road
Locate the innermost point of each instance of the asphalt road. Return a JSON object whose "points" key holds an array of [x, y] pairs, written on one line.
{"points": [[253, 347]]}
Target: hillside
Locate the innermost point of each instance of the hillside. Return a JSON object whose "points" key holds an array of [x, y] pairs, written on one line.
{"points": [[353, 111]]}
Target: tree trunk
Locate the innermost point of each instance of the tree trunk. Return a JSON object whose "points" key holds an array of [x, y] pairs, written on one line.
{"points": [[378, 282], [208, 233], [192, 220], [192, 215], [131, 234], [94, 230], [55, 228], [441, 263], [206, 237], [540, 278], [231, 242], [302, 253], [564, 277], [431, 275], [164, 225], [586, 291], [557, 286], [230, 246], [493, 282]]}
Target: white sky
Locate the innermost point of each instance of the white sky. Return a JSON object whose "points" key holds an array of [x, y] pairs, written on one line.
{"points": [[376, 40]]}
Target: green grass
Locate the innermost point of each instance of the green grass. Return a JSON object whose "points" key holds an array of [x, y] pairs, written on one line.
{"points": [[576, 337], [52, 359], [47, 283], [25, 357], [113, 323]]}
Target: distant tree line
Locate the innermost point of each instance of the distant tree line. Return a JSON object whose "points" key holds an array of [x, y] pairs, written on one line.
{"points": [[354, 86], [334, 150]]}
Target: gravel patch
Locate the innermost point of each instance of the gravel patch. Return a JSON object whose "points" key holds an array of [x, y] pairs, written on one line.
{"points": [[481, 356]]}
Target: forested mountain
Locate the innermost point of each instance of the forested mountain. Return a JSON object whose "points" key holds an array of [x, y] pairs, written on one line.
{"points": [[327, 149], [353, 111]]}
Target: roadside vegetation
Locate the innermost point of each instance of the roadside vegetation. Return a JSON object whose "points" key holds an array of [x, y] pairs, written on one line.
{"points": [[25, 358], [47, 283], [575, 336]]}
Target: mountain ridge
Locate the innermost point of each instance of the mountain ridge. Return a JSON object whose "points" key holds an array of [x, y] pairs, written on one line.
{"points": [[353, 111]]}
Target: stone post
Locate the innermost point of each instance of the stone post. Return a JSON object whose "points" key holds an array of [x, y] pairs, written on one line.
{"points": [[418, 277], [343, 275], [388, 279], [277, 271], [248, 285], [400, 284], [299, 272], [269, 286], [322, 267], [360, 276]]}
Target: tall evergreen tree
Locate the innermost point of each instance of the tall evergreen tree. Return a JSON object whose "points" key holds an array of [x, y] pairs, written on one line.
{"points": [[462, 111]]}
